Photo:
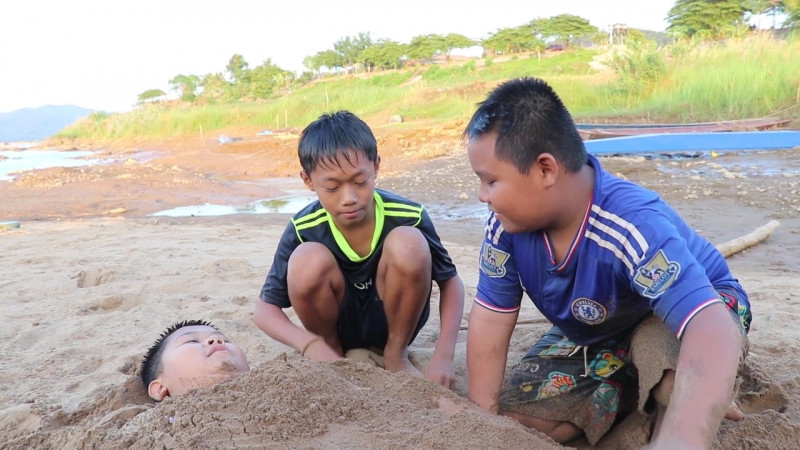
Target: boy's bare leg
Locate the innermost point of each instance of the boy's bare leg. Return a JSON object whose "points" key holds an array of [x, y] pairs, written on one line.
{"points": [[662, 392], [316, 290], [404, 280], [558, 431]]}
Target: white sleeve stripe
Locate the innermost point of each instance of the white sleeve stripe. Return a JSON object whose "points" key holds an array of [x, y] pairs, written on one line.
{"points": [[490, 226], [613, 248], [636, 258], [493, 234], [496, 308], [694, 313], [497, 234], [624, 224]]}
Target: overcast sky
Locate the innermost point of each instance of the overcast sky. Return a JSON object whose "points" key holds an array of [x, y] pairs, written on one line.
{"points": [[101, 54]]}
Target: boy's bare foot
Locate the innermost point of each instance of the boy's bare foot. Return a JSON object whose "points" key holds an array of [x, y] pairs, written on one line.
{"points": [[401, 365], [733, 412]]}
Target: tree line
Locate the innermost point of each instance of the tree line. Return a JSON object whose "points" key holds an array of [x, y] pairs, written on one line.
{"points": [[688, 19]]}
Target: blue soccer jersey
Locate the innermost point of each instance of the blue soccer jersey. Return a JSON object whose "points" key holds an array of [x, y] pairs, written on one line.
{"points": [[633, 254]]}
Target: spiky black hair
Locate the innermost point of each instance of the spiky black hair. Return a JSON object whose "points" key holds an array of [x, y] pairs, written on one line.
{"points": [[530, 119], [151, 364], [329, 137]]}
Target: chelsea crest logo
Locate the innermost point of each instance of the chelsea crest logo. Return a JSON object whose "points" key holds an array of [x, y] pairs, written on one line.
{"points": [[588, 311]]}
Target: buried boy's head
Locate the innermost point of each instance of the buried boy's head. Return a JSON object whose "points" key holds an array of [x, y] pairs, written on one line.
{"points": [[189, 355]]}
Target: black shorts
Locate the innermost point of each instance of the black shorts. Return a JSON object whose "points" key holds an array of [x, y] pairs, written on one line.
{"points": [[362, 321]]}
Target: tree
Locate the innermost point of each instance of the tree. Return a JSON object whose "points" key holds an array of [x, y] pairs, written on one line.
{"points": [[792, 9], [186, 85], [327, 58], [707, 18], [511, 40], [425, 47], [236, 68], [564, 28], [453, 41], [151, 95], [788, 9], [385, 54], [350, 48], [214, 86], [263, 79]]}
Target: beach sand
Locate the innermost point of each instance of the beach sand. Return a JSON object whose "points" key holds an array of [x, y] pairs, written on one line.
{"points": [[90, 279]]}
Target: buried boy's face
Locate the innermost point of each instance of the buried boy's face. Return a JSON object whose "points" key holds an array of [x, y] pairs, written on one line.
{"points": [[194, 357]]}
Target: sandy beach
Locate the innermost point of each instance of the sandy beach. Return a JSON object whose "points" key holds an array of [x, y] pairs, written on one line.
{"points": [[91, 277]]}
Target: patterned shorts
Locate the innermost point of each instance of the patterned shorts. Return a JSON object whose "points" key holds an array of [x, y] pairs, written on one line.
{"points": [[599, 379], [590, 386]]}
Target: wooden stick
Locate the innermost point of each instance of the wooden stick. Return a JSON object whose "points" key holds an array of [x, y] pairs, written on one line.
{"points": [[748, 240]]}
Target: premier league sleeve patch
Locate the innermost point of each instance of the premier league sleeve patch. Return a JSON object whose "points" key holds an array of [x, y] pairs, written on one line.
{"points": [[657, 275], [493, 261]]}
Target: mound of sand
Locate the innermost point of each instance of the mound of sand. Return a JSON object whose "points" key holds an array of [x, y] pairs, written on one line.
{"points": [[287, 402]]}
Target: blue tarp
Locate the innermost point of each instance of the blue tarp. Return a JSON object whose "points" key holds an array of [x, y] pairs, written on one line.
{"points": [[682, 142]]}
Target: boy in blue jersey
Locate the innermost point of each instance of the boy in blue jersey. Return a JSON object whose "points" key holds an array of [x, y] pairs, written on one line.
{"points": [[613, 267], [357, 265]]}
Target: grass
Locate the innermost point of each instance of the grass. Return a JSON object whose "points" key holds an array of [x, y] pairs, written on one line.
{"points": [[735, 79], [743, 78]]}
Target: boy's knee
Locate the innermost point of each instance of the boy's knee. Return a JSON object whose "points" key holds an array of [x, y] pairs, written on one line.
{"points": [[407, 249], [310, 264], [559, 431]]}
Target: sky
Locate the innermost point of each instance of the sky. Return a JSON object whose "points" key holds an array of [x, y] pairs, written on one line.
{"points": [[101, 54]]}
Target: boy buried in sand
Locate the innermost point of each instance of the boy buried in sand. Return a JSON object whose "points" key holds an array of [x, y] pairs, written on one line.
{"points": [[356, 265], [188, 355], [638, 299]]}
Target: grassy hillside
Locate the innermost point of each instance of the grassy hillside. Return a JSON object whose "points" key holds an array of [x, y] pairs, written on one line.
{"points": [[685, 82]]}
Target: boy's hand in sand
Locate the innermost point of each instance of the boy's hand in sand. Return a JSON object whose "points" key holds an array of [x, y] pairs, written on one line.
{"points": [[319, 350], [452, 407], [440, 371]]}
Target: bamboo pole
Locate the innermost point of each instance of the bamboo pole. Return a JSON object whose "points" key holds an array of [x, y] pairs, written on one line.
{"points": [[748, 240]]}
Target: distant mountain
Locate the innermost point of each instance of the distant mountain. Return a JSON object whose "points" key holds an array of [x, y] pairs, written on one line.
{"points": [[35, 124]]}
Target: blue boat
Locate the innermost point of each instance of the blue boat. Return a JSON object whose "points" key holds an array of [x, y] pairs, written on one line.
{"points": [[695, 142], [604, 131]]}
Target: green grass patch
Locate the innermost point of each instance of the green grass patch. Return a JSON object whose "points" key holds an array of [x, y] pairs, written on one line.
{"points": [[735, 79]]}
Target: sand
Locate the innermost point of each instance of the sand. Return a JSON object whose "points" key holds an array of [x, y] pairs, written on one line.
{"points": [[85, 290]]}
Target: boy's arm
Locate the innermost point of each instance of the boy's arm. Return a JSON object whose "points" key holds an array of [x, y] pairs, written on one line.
{"points": [[488, 336], [451, 309], [276, 324], [708, 361]]}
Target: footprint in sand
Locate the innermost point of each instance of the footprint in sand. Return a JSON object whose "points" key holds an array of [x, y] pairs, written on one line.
{"points": [[226, 267], [94, 277], [758, 393], [119, 302], [241, 300]]}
